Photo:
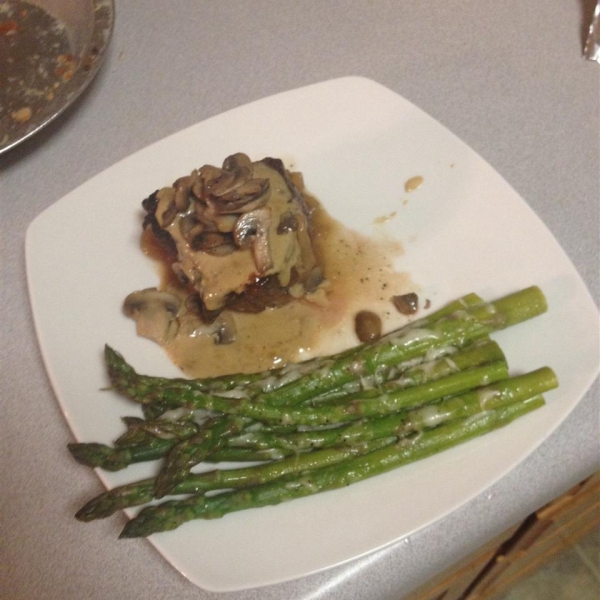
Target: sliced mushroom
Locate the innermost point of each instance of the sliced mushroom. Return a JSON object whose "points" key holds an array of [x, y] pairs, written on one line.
{"points": [[209, 240], [155, 314], [225, 223], [248, 226], [182, 197], [223, 249], [249, 196], [206, 212], [190, 226], [168, 215], [220, 184], [407, 304], [228, 181], [212, 219], [209, 172], [252, 230], [165, 207], [241, 206], [239, 159], [222, 330], [287, 223], [248, 190], [194, 233], [305, 243], [258, 202], [198, 188], [367, 326], [180, 273], [186, 180]]}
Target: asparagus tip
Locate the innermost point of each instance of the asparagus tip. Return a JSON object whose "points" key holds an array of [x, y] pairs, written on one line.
{"points": [[88, 513], [129, 532], [90, 455], [164, 485], [144, 524], [100, 507]]}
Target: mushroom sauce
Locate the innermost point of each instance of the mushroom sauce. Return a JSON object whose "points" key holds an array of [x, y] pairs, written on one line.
{"points": [[269, 239], [357, 274]]}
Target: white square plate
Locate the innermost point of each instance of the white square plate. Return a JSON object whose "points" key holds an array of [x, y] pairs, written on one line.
{"points": [[464, 230]]}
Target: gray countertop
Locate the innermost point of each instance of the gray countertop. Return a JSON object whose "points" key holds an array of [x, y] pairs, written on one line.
{"points": [[507, 77]]}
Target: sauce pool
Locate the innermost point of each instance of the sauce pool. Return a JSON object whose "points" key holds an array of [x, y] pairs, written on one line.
{"points": [[359, 275]]}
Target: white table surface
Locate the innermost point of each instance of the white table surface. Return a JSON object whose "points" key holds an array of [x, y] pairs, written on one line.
{"points": [[506, 76]]}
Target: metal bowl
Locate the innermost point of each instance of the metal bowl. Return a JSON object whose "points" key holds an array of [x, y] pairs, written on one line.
{"points": [[50, 50]]}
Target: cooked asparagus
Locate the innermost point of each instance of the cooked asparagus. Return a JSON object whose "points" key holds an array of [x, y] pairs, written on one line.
{"points": [[416, 391], [171, 514]]}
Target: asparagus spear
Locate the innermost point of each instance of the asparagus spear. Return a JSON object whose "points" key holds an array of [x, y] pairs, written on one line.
{"points": [[458, 329], [357, 437], [141, 431], [154, 410], [143, 441], [103, 456], [115, 459], [262, 411], [477, 354], [170, 515], [450, 328], [234, 455], [492, 396], [99, 455], [184, 455], [368, 405], [134, 494]]}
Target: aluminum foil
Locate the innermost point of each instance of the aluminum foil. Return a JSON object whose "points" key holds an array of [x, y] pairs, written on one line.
{"points": [[592, 46]]}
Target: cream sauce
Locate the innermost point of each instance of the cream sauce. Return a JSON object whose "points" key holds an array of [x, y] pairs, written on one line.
{"points": [[358, 273], [413, 184], [384, 218]]}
